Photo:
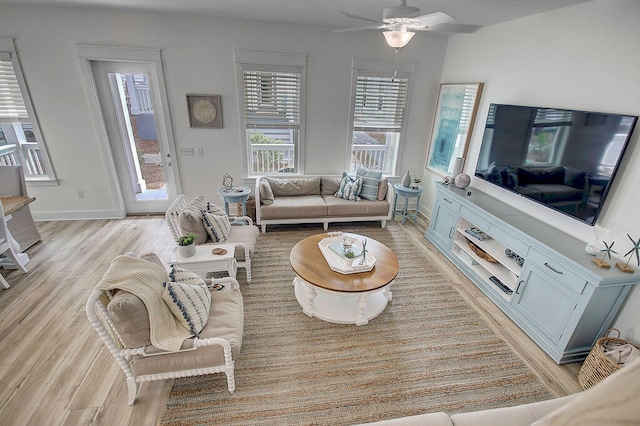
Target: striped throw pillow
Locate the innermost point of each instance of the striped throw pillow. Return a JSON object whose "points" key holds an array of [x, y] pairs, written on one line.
{"points": [[349, 188], [370, 181], [189, 303], [217, 226]]}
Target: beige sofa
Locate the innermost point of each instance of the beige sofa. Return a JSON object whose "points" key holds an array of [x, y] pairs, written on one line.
{"points": [[311, 200], [614, 401]]}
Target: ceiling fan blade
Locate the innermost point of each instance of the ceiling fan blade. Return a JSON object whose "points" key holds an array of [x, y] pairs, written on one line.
{"points": [[449, 29], [376, 27], [362, 18], [435, 18]]}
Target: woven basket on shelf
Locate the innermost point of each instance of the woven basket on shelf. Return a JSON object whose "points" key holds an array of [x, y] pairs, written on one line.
{"points": [[597, 366]]}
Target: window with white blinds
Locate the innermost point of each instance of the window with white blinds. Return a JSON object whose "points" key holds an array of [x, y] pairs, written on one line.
{"points": [[21, 142], [12, 107], [271, 99], [271, 90], [379, 103], [379, 110]]}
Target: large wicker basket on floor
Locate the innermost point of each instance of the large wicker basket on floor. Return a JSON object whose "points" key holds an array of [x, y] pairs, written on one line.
{"points": [[597, 366]]}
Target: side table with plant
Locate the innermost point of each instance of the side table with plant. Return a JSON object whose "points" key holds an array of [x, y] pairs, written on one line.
{"points": [[187, 246]]}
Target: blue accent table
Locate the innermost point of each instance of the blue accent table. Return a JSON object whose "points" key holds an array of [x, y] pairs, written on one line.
{"points": [[238, 194], [407, 193]]}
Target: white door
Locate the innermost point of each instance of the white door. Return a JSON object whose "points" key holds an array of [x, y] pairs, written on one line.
{"points": [[128, 96]]}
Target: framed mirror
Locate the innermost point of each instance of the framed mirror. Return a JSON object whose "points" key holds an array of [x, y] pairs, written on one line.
{"points": [[452, 125]]}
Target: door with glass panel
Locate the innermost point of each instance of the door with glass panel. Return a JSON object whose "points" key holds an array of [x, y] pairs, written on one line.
{"points": [[127, 94]]}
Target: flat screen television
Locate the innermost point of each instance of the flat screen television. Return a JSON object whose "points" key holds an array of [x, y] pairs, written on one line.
{"points": [[563, 159]]}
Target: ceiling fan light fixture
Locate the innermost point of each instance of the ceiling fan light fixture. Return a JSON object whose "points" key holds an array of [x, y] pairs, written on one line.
{"points": [[398, 39]]}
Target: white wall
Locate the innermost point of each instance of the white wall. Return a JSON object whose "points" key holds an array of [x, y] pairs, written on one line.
{"points": [[197, 57], [581, 57]]}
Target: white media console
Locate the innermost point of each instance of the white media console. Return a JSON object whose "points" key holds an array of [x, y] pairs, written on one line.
{"points": [[538, 275]]}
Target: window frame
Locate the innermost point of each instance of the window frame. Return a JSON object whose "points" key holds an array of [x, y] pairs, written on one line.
{"points": [[247, 60], [7, 47], [372, 68]]}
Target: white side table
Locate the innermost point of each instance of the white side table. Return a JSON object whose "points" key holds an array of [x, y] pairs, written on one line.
{"points": [[205, 261]]}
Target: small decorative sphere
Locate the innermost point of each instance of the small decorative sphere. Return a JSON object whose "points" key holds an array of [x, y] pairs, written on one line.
{"points": [[462, 180]]}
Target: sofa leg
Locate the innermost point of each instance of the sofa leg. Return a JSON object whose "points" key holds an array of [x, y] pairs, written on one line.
{"points": [[383, 223], [325, 225], [264, 227]]}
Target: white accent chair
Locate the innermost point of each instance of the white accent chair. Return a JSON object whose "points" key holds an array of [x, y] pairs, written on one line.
{"points": [[122, 321], [243, 233]]}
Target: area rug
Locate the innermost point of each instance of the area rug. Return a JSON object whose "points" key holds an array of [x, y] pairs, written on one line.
{"points": [[428, 351]]}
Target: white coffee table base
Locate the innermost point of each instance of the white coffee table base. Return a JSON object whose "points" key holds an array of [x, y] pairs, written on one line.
{"points": [[339, 307]]}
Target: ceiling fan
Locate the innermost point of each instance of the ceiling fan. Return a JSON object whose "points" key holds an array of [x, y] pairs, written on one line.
{"points": [[400, 22]]}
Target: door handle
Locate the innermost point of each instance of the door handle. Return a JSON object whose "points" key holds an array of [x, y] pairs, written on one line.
{"points": [[451, 232], [552, 268]]}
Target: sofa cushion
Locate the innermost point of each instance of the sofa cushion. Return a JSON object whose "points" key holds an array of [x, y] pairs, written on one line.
{"points": [[243, 234], [575, 178], [299, 206], [295, 186], [349, 188], [370, 181], [226, 320], [189, 303], [613, 401], [266, 194], [383, 187], [330, 185], [341, 207], [217, 226], [519, 415]]}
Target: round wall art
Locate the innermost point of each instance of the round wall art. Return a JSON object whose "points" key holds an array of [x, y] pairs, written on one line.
{"points": [[204, 111]]}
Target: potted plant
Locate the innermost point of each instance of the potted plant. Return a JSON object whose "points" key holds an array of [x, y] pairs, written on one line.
{"points": [[416, 183], [186, 244]]}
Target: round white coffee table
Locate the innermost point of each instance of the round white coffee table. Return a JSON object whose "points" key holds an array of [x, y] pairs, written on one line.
{"points": [[332, 296]]}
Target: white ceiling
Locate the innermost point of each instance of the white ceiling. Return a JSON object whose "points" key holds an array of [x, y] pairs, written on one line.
{"points": [[319, 12]]}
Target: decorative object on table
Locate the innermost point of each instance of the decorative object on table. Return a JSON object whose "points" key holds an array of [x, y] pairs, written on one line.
{"points": [[453, 122], [480, 253], [204, 111], [187, 245], [416, 183], [598, 366], [462, 180], [227, 182], [457, 166], [219, 251], [624, 267], [406, 179], [513, 255], [600, 231], [447, 180], [607, 251]]}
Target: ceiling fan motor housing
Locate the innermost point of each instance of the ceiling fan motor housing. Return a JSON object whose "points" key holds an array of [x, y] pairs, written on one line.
{"points": [[395, 12]]}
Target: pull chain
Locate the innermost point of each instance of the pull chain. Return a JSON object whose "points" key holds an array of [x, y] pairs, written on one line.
{"points": [[395, 63]]}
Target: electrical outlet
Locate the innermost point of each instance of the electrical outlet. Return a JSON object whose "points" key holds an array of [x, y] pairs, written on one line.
{"points": [[200, 152], [80, 194], [185, 151]]}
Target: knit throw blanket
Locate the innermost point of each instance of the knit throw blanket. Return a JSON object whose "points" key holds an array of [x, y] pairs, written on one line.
{"points": [[144, 279]]}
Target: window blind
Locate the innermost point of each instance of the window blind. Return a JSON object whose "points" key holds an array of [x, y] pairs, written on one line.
{"points": [[12, 107], [379, 103], [271, 99]]}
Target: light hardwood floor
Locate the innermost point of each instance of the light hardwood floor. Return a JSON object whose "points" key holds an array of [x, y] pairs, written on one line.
{"points": [[53, 367]]}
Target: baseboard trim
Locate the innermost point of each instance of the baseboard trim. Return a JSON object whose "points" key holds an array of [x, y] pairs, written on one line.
{"points": [[77, 215]]}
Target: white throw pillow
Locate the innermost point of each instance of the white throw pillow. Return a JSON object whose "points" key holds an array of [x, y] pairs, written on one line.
{"points": [[217, 226]]}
